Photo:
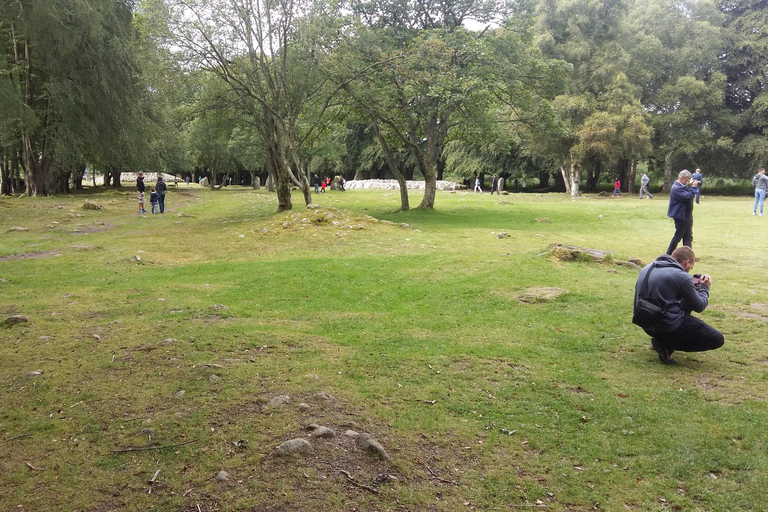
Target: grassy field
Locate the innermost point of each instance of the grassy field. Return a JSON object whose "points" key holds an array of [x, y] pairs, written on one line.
{"points": [[158, 342]]}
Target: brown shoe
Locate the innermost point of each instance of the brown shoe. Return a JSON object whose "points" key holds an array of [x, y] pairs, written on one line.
{"points": [[662, 351]]}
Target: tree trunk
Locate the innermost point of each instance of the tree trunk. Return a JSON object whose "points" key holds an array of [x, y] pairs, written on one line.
{"points": [[388, 156], [79, 176], [631, 177], [5, 177], [543, 178], [667, 186], [565, 171], [575, 179]]}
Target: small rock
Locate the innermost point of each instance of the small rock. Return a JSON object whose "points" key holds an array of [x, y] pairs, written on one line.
{"points": [[89, 205], [179, 393], [279, 401], [503, 234], [137, 258], [294, 446], [15, 319], [46, 338], [368, 443], [351, 433], [213, 378], [404, 225], [35, 373], [383, 478], [145, 432], [543, 220], [312, 376], [97, 337], [18, 228], [218, 306], [304, 407], [167, 341], [322, 432], [222, 476], [323, 396], [313, 206]]}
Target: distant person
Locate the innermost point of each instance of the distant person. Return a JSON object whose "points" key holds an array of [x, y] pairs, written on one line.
{"points": [[495, 184], [760, 182], [644, 181], [140, 189], [681, 209], [154, 198], [327, 182], [317, 183], [187, 181], [161, 188], [678, 293], [322, 187], [175, 181], [700, 178], [477, 185], [515, 184], [342, 181], [617, 187], [525, 185]]}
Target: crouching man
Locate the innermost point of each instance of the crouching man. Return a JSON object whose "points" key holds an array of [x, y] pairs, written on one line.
{"points": [[678, 293]]}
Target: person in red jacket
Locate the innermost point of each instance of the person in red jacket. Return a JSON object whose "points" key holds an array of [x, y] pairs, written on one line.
{"points": [[617, 187]]}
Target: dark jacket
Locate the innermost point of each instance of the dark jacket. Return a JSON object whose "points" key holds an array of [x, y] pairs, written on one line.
{"points": [[673, 288], [140, 184], [681, 201], [153, 197], [160, 186]]}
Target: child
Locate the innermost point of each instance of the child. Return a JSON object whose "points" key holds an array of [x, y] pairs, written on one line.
{"points": [[322, 186], [154, 198], [141, 203]]}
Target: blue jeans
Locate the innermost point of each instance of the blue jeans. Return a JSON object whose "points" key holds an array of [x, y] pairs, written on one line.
{"points": [[161, 198], [759, 197], [154, 207]]}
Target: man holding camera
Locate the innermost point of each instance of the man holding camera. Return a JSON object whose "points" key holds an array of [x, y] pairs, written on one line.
{"points": [[681, 209], [678, 293]]}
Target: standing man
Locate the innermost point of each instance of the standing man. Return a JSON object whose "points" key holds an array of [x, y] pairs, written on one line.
{"points": [[700, 178], [678, 293], [760, 182], [161, 190], [495, 184], [477, 185], [644, 181], [140, 190], [681, 209], [317, 183]]}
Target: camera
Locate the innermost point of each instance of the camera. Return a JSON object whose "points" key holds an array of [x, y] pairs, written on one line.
{"points": [[697, 281]]}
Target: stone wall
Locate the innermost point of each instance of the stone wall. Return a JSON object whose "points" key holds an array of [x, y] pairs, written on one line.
{"points": [[393, 185]]}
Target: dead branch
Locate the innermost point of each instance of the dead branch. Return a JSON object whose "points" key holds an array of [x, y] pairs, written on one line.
{"points": [[434, 475], [141, 449], [355, 482], [17, 437], [30, 466]]}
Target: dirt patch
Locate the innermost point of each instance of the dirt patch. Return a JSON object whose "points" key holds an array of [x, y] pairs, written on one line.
{"points": [[30, 255], [538, 294], [84, 230]]}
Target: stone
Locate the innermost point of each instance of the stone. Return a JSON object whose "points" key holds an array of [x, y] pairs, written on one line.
{"points": [[322, 432], [145, 432], [304, 407], [90, 205], [313, 206], [179, 393], [351, 433], [298, 446], [368, 443], [279, 401], [218, 306], [18, 228], [15, 320], [323, 396], [503, 234], [204, 182], [222, 476]]}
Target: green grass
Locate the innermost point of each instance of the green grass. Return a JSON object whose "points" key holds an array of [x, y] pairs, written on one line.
{"points": [[415, 330]]}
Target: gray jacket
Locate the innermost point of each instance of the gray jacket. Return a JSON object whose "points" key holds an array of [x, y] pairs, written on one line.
{"points": [[673, 288], [760, 181]]}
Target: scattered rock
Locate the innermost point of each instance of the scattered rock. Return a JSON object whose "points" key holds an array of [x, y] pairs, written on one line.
{"points": [[45, 338], [15, 319], [137, 258], [323, 396], [312, 376], [279, 401], [320, 431], [218, 306], [313, 206], [167, 341], [18, 228], [222, 476], [213, 378], [145, 432], [304, 407], [296, 446], [35, 373], [503, 234], [543, 220], [351, 433], [368, 443], [179, 393], [384, 477], [538, 294], [90, 205]]}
